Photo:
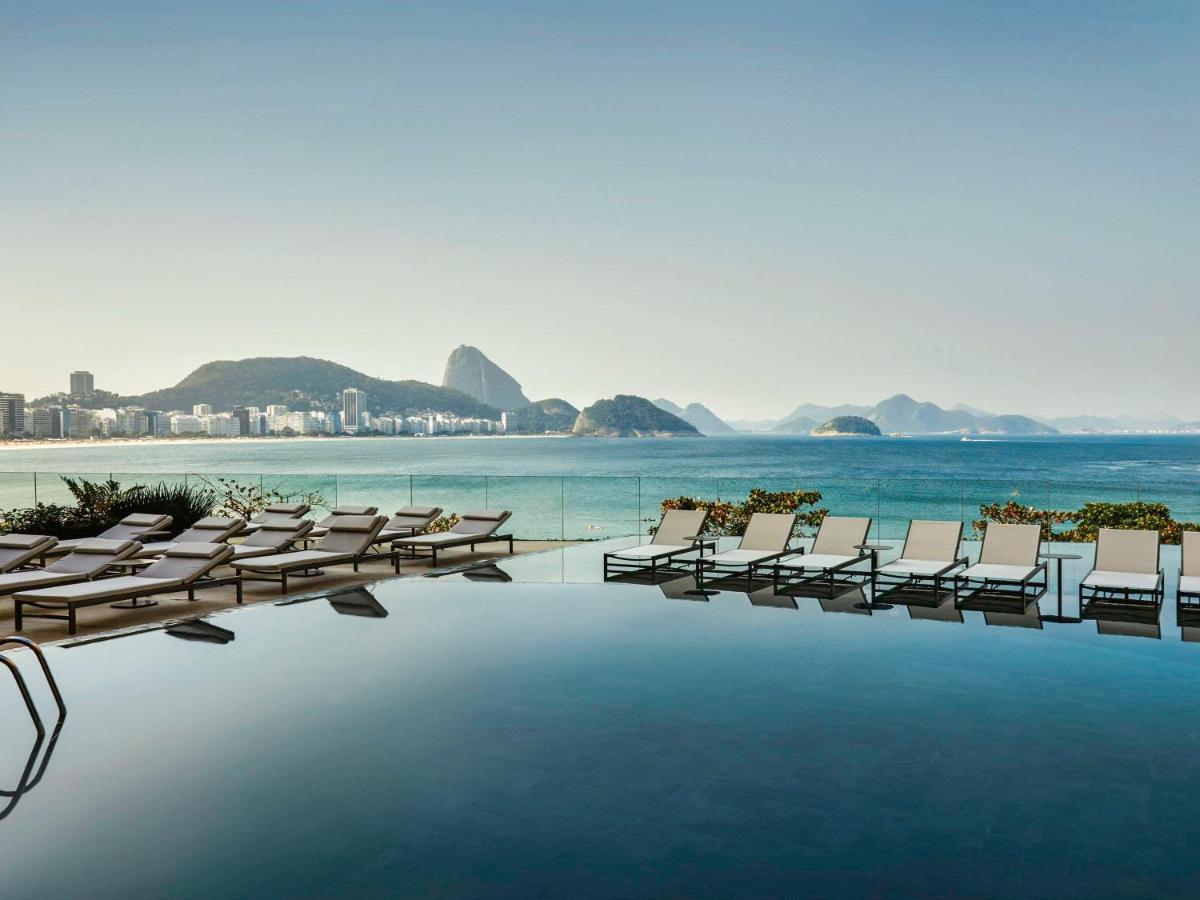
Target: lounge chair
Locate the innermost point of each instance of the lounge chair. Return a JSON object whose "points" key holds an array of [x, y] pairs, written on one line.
{"points": [[273, 537], [766, 539], [89, 560], [837, 548], [1126, 570], [134, 527], [479, 526], [1189, 570], [348, 541], [184, 566], [276, 511], [1007, 572], [678, 533], [18, 550], [409, 521], [209, 530], [322, 528], [929, 555]]}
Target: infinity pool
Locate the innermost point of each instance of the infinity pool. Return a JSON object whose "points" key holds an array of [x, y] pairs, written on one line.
{"points": [[458, 737]]}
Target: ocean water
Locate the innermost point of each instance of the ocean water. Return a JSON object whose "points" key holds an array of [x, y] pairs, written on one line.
{"points": [[578, 488]]}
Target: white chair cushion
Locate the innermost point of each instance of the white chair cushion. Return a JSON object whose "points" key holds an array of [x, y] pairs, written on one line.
{"points": [[645, 551], [914, 567], [740, 557], [820, 560], [1189, 584], [997, 572], [1134, 581]]}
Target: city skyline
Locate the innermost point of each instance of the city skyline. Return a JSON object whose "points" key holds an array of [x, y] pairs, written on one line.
{"points": [[967, 203]]}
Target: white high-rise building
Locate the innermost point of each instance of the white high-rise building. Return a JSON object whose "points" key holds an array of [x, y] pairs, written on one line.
{"points": [[202, 409], [183, 424], [277, 409], [354, 406]]}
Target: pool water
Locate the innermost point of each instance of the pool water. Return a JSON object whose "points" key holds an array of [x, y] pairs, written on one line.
{"points": [[479, 738]]}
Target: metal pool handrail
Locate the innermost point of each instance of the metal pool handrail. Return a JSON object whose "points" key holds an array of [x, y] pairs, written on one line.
{"points": [[24, 689]]}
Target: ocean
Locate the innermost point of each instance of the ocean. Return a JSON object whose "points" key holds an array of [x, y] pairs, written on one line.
{"points": [[581, 488]]}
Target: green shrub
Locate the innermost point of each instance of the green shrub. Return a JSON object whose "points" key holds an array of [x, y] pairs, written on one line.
{"points": [[101, 504], [1088, 520], [729, 518]]}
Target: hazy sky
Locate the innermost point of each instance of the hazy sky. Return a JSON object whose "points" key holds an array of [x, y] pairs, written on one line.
{"points": [[748, 204]]}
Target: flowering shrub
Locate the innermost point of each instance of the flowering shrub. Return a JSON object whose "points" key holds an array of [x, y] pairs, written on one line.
{"points": [[727, 517], [1088, 520]]}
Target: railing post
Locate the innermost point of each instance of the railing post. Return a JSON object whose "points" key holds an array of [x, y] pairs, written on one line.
{"points": [[638, 529], [562, 508], [35, 494], [335, 490]]}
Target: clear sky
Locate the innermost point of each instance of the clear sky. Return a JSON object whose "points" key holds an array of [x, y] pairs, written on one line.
{"points": [[748, 204]]}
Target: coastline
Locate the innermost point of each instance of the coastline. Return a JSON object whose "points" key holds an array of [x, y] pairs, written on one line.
{"points": [[52, 444]]}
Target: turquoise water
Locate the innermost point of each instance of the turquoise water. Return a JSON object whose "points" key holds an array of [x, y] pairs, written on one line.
{"points": [[516, 740], [599, 488]]}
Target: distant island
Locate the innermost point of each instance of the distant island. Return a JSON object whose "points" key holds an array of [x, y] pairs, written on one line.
{"points": [[628, 416], [847, 426]]}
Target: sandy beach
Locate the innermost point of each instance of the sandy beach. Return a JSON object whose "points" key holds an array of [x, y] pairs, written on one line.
{"points": [[52, 444]]}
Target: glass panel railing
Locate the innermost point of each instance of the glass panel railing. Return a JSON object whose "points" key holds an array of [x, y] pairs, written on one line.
{"points": [[18, 490], [387, 493], [318, 491], [52, 487], [602, 507], [901, 500], [598, 507], [453, 493], [655, 490], [536, 503]]}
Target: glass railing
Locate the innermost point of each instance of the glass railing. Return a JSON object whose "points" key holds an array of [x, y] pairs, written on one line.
{"points": [[596, 507]]}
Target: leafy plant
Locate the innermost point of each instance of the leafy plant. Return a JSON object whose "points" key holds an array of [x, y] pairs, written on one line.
{"points": [[443, 523], [238, 498], [1013, 513], [101, 504], [1089, 520], [731, 518]]}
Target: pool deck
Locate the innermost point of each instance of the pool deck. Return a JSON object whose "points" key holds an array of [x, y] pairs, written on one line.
{"points": [[98, 622]]}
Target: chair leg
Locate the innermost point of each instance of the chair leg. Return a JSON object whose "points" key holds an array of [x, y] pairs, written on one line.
{"points": [[283, 582]]}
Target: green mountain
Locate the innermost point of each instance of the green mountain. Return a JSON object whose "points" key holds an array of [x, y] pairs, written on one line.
{"points": [[698, 415], [628, 416], [840, 425], [902, 414], [542, 416], [796, 425], [299, 381]]}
